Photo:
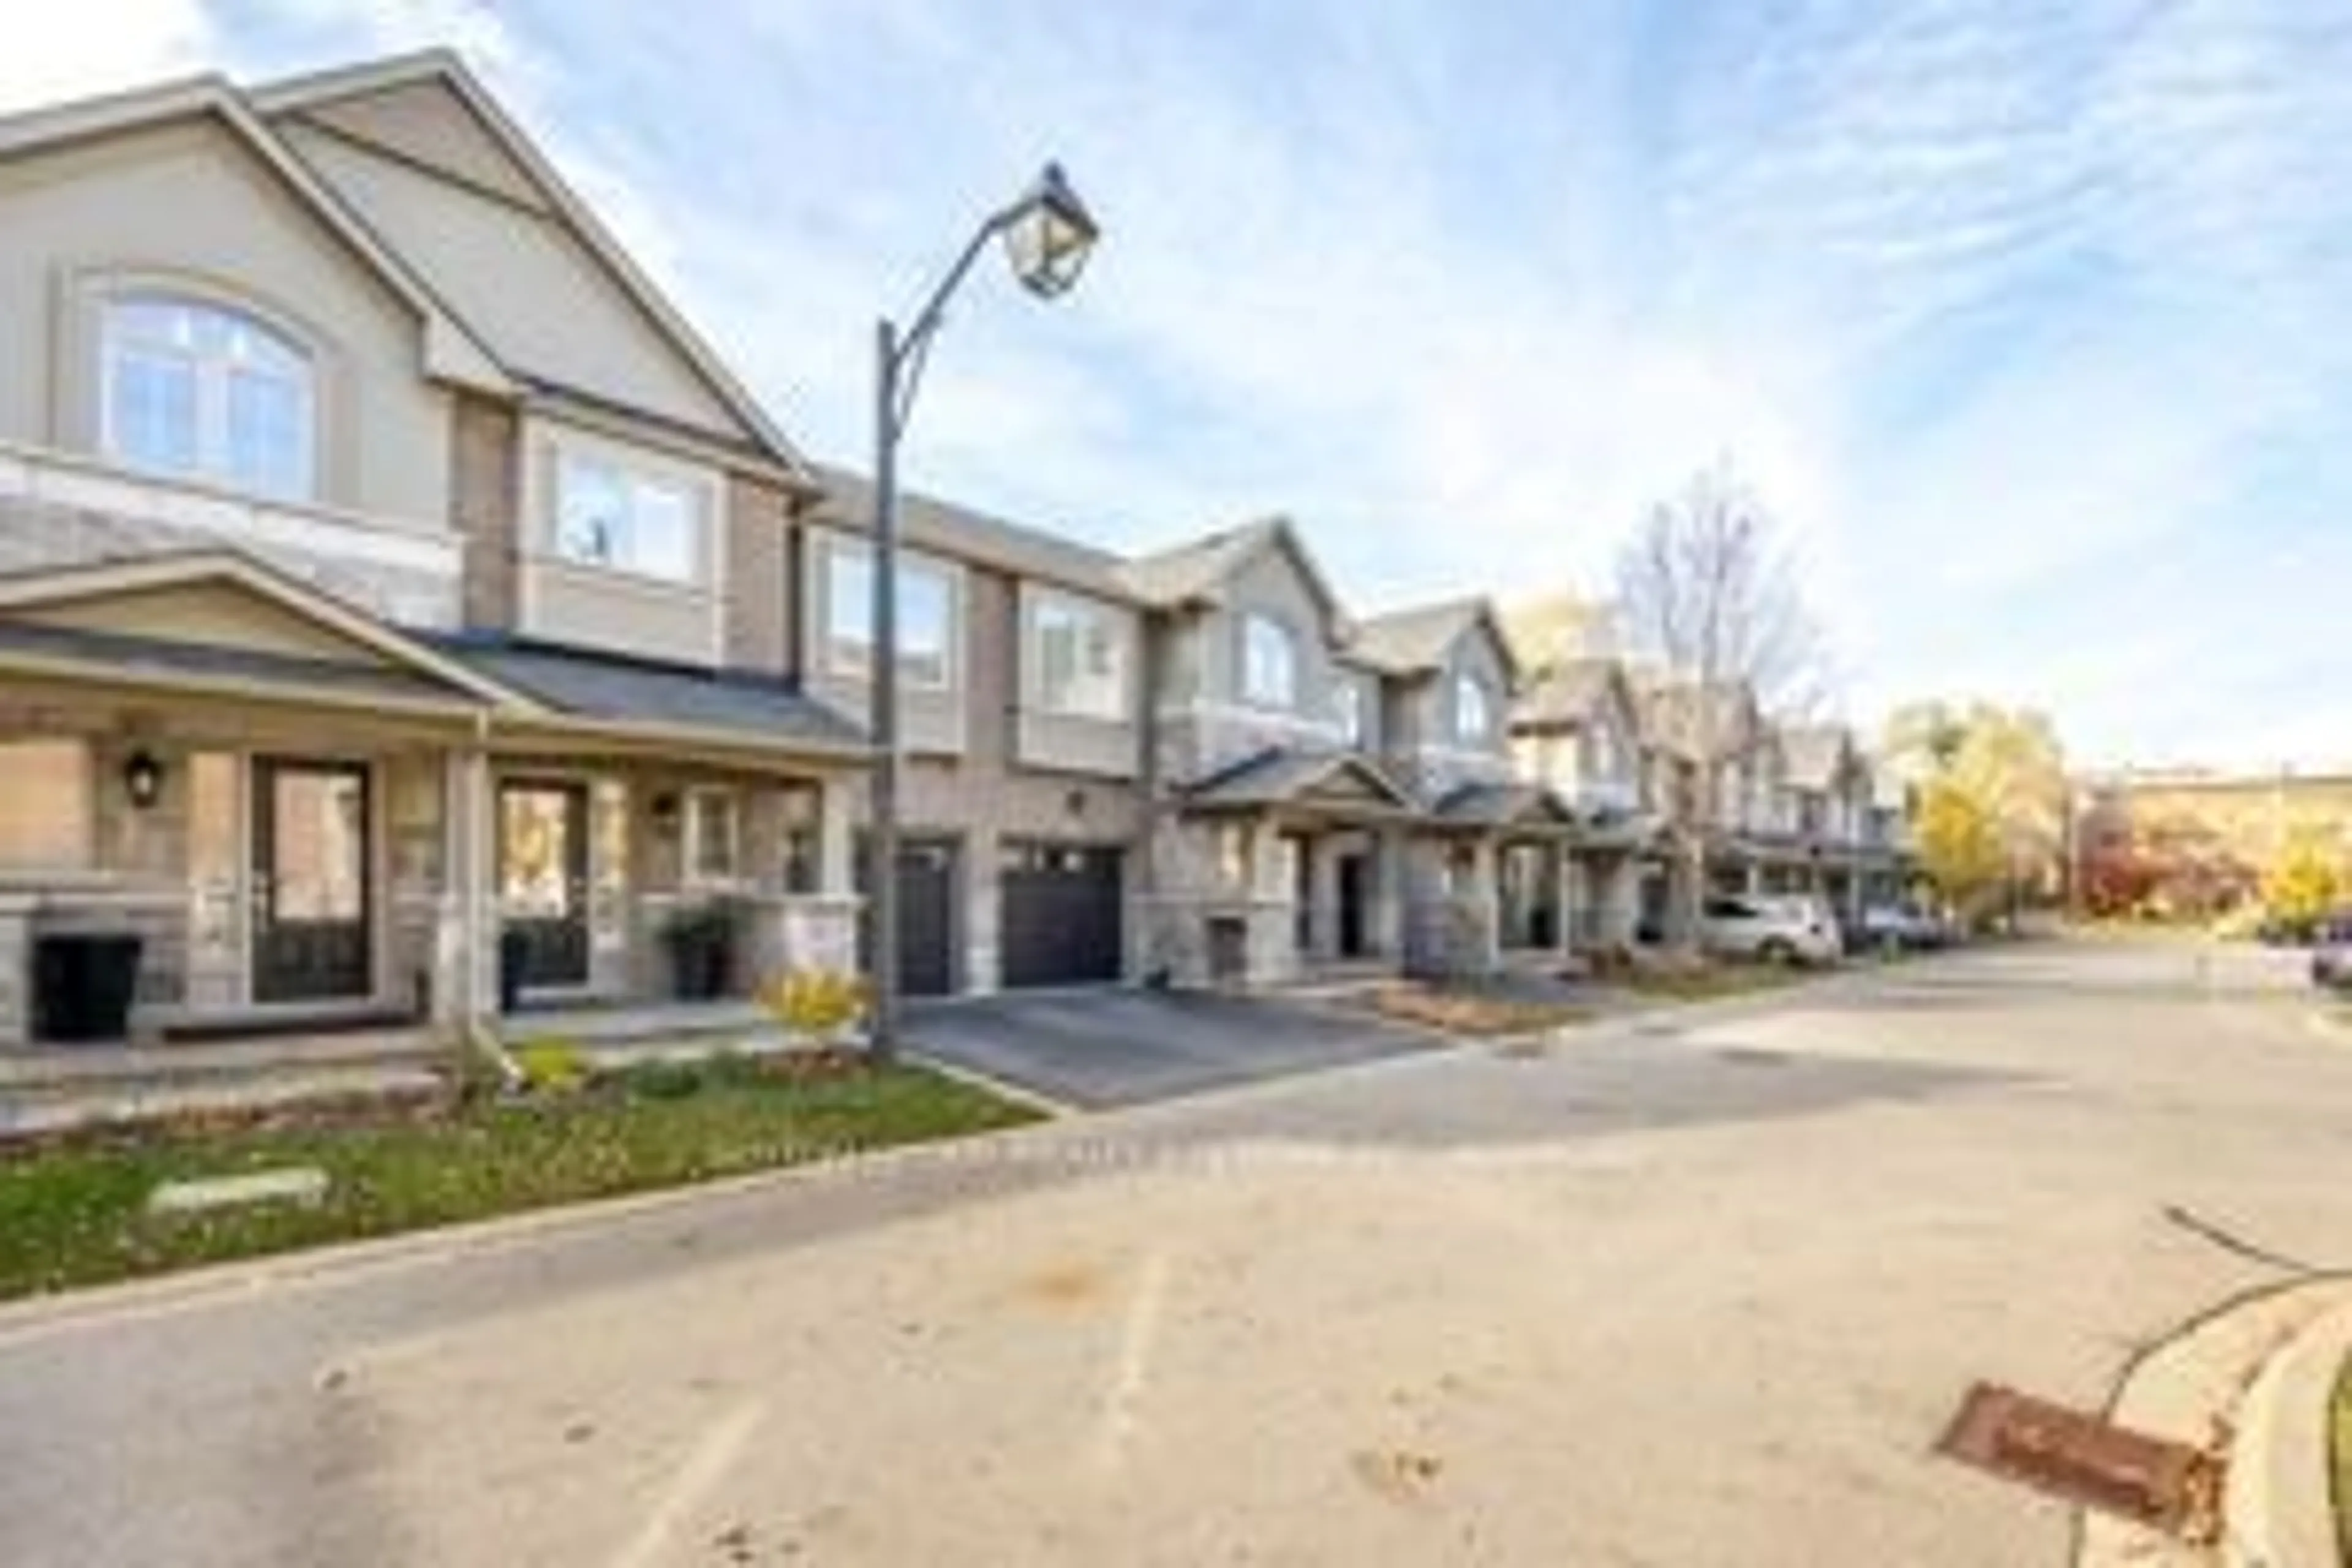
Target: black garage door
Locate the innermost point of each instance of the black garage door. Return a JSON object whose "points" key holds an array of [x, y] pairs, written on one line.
{"points": [[1061, 914], [926, 883]]}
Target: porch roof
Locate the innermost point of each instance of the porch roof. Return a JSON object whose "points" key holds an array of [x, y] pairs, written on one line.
{"points": [[1282, 775], [90, 652], [763, 709], [1504, 805]]}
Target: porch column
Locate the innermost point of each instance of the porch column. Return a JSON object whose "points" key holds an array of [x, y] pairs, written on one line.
{"points": [[1482, 908], [466, 956], [1385, 919], [1323, 901], [835, 873], [1564, 898], [15, 970]]}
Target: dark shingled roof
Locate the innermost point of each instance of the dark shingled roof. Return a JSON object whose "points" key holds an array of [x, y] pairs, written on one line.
{"points": [[625, 690], [1502, 806], [133, 655]]}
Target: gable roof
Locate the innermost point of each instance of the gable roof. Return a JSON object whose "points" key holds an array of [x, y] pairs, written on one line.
{"points": [[1417, 640], [1282, 776], [1196, 572], [318, 93], [452, 352], [148, 573], [1572, 693], [1819, 754], [1504, 805], [1675, 713]]}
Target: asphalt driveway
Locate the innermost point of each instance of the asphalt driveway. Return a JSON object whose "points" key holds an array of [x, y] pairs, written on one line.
{"points": [[1101, 1049]]}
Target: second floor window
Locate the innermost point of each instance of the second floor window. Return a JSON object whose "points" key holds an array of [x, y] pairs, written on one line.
{"points": [[610, 515], [1474, 712], [1269, 663], [199, 391], [926, 617], [1080, 667], [1348, 706]]}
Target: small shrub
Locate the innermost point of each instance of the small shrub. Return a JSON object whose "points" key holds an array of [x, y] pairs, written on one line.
{"points": [[552, 1067], [814, 1003], [662, 1081]]}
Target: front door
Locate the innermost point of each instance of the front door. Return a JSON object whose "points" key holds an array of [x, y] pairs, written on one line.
{"points": [[1355, 894], [543, 880], [1298, 860], [311, 890]]}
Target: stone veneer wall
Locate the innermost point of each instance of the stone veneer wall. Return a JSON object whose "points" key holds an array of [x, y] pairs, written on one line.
{"points": [[38, 534], [485, 506]]}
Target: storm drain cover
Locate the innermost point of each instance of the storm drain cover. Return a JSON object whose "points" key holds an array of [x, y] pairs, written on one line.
{"points": [[2079, 1457]]}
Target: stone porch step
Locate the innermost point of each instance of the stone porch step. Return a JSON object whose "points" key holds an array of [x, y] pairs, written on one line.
{"points": [[65, 1068], [66, 1107]]}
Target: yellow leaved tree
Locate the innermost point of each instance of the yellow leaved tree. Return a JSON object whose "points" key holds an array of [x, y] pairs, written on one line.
{"points": [[2304, 882]]}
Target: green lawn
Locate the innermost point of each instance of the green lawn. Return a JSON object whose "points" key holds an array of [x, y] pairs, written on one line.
{"points": [[2341, 1448], [76, 1215]]}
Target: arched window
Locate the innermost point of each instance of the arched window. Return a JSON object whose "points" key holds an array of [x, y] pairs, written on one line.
{"points": [[1269, 663], [201, 391], [1474, 714]]}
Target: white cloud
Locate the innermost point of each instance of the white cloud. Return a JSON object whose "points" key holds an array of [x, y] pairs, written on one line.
{"points": [[59, 51]]}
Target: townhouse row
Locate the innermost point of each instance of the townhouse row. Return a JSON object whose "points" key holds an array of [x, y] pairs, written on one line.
{"points": [[405, 614]]}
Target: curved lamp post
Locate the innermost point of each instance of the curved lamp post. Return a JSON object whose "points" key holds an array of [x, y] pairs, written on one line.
{"points": [[1048, 234]]}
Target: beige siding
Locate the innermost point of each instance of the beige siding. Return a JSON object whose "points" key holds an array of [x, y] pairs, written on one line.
{"points": [[601, 607], [486, 505], [539, 296], [422, 122], [190, 206], [212, 615]]}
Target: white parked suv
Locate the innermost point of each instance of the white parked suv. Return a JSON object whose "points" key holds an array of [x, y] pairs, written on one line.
{"points": [[1772, 929]]}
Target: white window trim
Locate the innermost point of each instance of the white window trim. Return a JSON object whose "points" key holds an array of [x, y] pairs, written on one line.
{"points": [[1120, 626], [1469, 681], [828, 649], [1289, 703], [212, 438], [699, 799], [555, 444]]}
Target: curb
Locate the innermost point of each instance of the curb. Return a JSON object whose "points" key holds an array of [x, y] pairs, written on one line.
{"points": [[2196, 1386], [2279, 1505]]}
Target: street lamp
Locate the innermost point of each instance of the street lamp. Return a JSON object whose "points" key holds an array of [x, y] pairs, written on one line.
{"points": [[1048, 234]]}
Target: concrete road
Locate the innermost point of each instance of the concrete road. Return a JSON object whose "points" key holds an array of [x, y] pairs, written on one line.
{"points": [[1701, 1296], [1112, 1047]]}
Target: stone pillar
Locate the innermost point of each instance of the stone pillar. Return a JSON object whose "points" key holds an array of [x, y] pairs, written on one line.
{"points": [[984, 962], [466, 951], [1481, 911], [15, 970], [1323, 902], [1384, 918], [1564, 881], [835, 873]]}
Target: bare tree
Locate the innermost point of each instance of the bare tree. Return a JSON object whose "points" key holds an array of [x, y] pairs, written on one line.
{"points": [[1709, 601]]}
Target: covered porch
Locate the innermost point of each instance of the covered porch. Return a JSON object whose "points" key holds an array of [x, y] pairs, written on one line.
{"points": [[233, 809], [1289, 866]]}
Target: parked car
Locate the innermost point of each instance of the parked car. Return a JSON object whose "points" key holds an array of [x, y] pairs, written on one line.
{"points": [[2331, 953], [1771, 929], [1904, 926]]}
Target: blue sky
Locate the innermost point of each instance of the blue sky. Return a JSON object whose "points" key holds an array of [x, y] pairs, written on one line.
{"points": [[2033, 321]]}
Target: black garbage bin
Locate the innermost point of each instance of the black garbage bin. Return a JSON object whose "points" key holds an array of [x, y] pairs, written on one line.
{"points": [[83, 986], [514, 956]]}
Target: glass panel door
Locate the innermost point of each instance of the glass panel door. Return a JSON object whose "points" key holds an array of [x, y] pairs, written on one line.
{"points": [[312, 894], [543, 881]]}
